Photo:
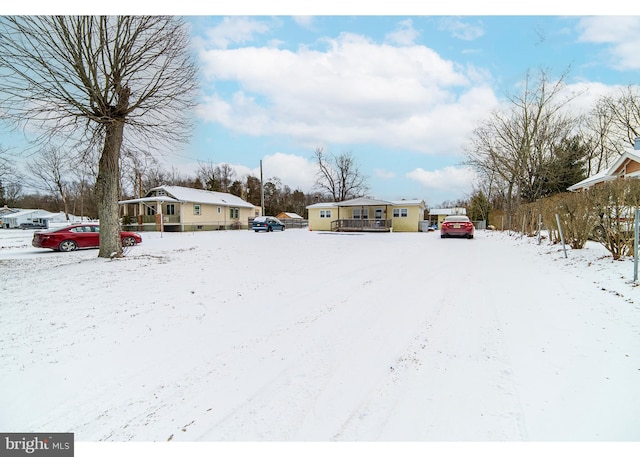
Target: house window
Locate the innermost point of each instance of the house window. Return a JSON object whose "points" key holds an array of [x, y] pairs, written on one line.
{"points": [[361, 213], [196, 210], [325, 213], [219, 210], [234, 213], [150, 211], [400, 212], [171, 210]]}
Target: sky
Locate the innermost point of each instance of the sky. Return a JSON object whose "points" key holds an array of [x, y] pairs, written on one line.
{"points": [[401, 93]]}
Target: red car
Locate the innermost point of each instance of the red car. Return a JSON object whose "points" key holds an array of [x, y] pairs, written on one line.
{"points": [[79, 236], [456, 226]]}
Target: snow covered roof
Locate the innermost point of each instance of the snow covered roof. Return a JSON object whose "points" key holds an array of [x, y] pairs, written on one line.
{"points": [[187, 194], [591, 180], [447, 211], [367, 202], [27, 212], [291, 215]]}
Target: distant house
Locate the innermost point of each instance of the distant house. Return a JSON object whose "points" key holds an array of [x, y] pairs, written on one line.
{"points": [[180, 209], [437, 215], [289, 216], [367, 215], [627, 166], [15, 217]]}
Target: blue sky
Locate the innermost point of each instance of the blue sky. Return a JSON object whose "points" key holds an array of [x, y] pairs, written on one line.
{"points": [[401, 93]]}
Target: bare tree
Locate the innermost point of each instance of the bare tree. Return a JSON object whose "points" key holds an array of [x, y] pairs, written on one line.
{"points": [[216, 177], [625, 113], [339, 176], [51, 171], [516, 145], [86, 77]]}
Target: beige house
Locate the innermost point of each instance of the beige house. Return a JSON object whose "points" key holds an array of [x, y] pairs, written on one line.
{"points": [[367, 215], [182, 209]]}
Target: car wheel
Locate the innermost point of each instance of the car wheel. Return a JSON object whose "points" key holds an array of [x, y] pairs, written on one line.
{"points": [[68, 246], [443, 236], [129, 241], [270, 229], [283, 228]]}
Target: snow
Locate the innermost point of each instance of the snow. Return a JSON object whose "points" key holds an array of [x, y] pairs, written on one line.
{"points": [[314, 337]]}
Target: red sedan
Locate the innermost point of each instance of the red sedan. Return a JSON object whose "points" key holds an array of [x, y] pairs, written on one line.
{"points": [[78, 236], [456, 226]]}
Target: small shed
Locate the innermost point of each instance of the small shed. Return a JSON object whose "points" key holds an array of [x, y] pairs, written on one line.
{"points": [[284, 215]]}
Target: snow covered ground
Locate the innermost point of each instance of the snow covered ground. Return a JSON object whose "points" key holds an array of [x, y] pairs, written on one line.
{"points": [[307, 337]]}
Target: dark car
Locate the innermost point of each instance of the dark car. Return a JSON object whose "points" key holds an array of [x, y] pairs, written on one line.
{"points": [[267, 224], [33, 225], [79, 236], [460, 226]]}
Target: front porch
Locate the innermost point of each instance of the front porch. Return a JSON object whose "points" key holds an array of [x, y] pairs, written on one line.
{"points": [[361, 225]]}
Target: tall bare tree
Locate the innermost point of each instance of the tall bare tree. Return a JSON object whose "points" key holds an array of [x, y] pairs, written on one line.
{"points": [[51, 170], [339, 176], [87, 77]]}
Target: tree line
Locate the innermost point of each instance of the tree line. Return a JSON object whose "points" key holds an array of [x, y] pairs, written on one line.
{"points": [[62, 183]]}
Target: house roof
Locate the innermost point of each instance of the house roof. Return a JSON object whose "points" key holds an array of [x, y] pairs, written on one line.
{"points": [[26, 212], [367, 202], [447, 211], [591, 180], [291, 215], [186, 194]]}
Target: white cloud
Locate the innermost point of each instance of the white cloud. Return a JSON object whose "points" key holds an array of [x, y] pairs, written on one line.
{"points": [[461, 29], [451, 179], [292, 170], [620, 33], [405, 35], [235, 30], [304, 21], [354, 92], [384, 174]]}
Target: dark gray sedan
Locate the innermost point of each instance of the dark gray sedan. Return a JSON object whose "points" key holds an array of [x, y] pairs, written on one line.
{"points": [[266, 224]]}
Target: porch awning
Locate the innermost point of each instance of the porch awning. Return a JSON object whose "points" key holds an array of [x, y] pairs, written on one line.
{"points": [[363, 202], [156, 199]]}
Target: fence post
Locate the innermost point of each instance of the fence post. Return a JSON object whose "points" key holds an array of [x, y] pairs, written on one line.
{"points": [[524, 219], [561, 236], [539, 228], [636, 224]]}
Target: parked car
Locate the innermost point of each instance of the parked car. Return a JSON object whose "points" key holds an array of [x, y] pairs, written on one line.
{"points": [[459, 226], [78, 236], [32, 225], [267, 223]]}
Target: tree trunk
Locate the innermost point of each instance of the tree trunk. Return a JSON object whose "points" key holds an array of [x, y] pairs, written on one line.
{"points": [[108, 191]]}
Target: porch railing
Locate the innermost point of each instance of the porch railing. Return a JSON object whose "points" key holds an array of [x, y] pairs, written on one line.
{"points": [[361, 225]]}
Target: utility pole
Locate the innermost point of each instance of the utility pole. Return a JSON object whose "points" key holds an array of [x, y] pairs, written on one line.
{"points": [[261, 192]]}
